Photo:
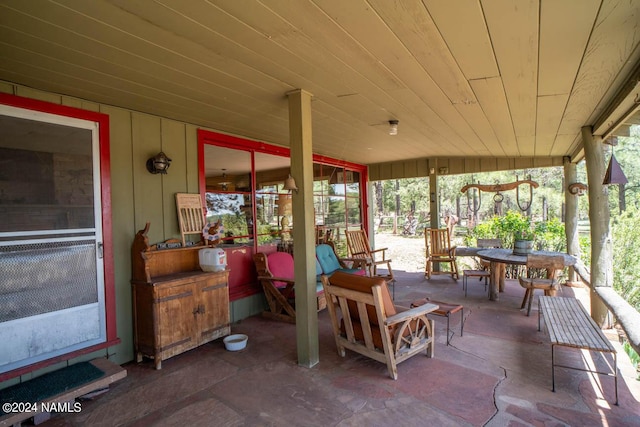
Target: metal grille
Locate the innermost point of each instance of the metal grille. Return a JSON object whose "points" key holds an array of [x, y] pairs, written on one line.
{"points": [[46, 277]]}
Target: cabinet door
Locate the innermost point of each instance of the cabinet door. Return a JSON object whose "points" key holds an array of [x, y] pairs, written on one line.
{"points": [[213, 319], [176, 314]]}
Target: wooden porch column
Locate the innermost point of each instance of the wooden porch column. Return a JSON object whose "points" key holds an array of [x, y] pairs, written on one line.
{"points": [[571, 214], [601, 247], [303, 227], [434, 205]]}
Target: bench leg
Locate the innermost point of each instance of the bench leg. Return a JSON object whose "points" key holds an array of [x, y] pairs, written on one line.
{"points": [[553, 372], [615, 375]]}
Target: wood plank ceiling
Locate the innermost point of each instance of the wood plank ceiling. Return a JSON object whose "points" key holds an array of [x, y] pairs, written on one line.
{"points": [[465, 78]]}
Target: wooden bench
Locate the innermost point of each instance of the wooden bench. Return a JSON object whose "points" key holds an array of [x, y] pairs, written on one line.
{"points": [[569, 325]]}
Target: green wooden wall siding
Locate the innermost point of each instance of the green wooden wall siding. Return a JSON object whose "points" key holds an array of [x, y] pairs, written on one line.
{"points": [[456, 165], [137, 197]]}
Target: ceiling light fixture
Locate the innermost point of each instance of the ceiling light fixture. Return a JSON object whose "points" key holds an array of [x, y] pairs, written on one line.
{"points": [[393, 127]]}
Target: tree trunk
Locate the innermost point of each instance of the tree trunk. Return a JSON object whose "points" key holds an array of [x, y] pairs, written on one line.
{"points": [[379, 197], [601, 246], [622, 201], [397, 215]]}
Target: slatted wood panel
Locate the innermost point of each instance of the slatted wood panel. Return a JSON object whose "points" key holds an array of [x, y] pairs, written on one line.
{"points": [[569, 324], [226, 66], [190, 215]]}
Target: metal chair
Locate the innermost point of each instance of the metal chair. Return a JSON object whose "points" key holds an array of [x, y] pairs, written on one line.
{"points": [[483, 272]]}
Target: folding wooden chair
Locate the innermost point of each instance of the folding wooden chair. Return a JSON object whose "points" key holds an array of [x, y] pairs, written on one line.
{"points": [[191, 215]]}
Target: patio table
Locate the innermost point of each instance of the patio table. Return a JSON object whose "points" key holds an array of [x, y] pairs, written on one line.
{"points": [[499, 258]]}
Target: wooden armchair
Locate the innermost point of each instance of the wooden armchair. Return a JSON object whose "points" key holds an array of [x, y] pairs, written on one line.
{"points": [[550, 286], [438, 250], [359, 247], [275, 273], [371, 325]]}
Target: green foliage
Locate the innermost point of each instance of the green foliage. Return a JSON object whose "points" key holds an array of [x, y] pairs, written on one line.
{"points": [[626, 256], [549, 235], [633, 356], [585, 249]]}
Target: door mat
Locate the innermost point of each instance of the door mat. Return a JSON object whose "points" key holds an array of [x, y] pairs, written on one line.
{"points": [[50, 384]]}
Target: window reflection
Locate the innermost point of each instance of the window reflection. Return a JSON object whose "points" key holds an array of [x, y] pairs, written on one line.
{"points": [[261, 212]]}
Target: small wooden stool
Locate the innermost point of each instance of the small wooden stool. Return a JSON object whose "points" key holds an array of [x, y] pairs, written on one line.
{"points": [[445, 310]]}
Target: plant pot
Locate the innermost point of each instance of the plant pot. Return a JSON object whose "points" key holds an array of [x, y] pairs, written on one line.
{"points": [[522, 247]]}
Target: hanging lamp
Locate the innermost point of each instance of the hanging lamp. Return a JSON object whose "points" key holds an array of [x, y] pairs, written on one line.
{"points": [[614, 173]]}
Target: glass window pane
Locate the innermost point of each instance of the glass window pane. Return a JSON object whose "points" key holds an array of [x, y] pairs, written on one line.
{"points": [[352, 180], [228, 196], [353, 212], [274, 204]]}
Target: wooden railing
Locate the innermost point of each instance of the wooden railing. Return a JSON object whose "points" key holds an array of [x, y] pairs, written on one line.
{"points": [[627, 316]]}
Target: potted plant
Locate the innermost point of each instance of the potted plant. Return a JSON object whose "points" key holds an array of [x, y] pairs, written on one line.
{"points": [[523, 240]]}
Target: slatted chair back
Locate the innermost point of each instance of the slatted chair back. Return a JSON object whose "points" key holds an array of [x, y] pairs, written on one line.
{"points": [[438, 241], [190, 215], [358, 243]]}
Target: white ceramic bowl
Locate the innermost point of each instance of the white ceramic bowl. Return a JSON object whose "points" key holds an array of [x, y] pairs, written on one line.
{"points": [[235, 342]]}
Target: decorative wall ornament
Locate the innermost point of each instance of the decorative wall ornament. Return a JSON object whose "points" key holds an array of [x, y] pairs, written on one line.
{"points": [[499, 188], [577, 188]]}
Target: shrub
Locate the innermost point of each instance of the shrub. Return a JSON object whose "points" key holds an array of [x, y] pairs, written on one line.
{"points": [[549, 235], [626, 256]]}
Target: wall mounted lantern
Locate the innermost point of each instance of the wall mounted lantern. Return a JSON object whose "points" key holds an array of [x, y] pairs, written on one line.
{"points": [[159, 163]]}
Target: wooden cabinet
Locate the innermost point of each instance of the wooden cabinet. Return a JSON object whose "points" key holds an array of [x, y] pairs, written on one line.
{"points": [[176, 305]]}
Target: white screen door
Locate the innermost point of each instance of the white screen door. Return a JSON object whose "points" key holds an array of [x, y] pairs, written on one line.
{"points": [[51, 266]]}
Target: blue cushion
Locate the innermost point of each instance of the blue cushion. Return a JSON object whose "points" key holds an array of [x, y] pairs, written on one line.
{"points": [[327, 259]]}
